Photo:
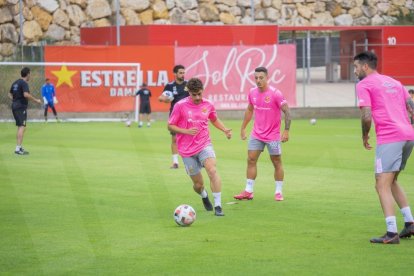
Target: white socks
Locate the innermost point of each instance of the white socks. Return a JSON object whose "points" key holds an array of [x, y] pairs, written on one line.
{"points": [[391, 224], [217, 199], [279, 185], [249, 185], [204, 193], [18, 147], [175, 158], [406, 212]]}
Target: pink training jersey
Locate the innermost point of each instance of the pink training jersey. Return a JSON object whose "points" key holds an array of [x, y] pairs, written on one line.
{"points": [[387, 99], [267, 113], [186, 114]]}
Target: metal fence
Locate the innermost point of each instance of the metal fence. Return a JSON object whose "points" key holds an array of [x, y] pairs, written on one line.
{"points": [[318, 74]]}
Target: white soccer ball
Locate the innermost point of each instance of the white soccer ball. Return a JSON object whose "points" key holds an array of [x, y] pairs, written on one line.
{"points": [[184, 215], [128, 123], [169, 95], [312, 121]]}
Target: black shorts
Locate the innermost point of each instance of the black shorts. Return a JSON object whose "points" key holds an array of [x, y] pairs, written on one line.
{"points": [[145, 108], [20, 115]]}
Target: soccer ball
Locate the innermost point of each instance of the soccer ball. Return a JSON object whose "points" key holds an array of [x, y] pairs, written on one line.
{"points": [[184, 215], [169, 95], [312, 121], [128, 123]]}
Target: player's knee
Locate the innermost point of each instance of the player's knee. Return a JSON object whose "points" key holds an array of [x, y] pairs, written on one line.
{"points": [[198, 187], [251, 161], [212, 172]]}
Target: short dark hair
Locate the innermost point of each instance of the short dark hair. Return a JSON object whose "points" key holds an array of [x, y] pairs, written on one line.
{"points": [[25, 71], [178, 67], [194, 85], [261, 69], [368, 58], [411, 91]]}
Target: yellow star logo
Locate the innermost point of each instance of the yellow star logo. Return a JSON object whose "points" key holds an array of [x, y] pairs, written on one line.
{"points": [[64, 76]]}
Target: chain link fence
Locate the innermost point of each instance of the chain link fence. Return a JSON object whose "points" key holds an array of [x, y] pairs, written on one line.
{"points": [[323, 78], [8, 74]]}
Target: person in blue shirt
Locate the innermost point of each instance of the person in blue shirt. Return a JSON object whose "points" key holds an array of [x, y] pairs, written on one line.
{"points": [[144, 105], [49, 98]]}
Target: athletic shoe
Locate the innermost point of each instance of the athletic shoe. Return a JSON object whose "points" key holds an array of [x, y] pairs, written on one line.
{"points": [[207, 204], [218, 211], [279, 197], [386, 239], [21, 152], [139, 126], [408, 231], [174, 166], [244, 195]]}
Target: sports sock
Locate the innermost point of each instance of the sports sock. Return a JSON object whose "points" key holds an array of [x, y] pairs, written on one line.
{"points": [[140, 123], [175, 158], [279, 185], [406, 212], [391, 234], [249, 185], [18, 147], [217, 199], [391, 224], [204, 193]]}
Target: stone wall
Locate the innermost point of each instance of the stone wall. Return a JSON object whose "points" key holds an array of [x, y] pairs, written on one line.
{"points": [[59, 21]]}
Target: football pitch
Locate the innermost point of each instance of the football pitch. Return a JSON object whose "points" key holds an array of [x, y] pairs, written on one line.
{"points": [[98, 198]]}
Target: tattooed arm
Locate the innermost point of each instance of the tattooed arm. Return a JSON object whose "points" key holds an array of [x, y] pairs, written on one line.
{"points": [[366, 119], [410, 108], [285, 134]]}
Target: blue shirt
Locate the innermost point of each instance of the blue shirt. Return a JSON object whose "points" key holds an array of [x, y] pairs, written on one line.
{"points": [[48, 91]]}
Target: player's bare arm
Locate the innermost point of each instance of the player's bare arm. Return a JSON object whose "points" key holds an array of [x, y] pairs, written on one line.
{"points": [[30, 97], [286, 110], [219, 125], [188, 131], [366, 120], [248, 114], [410, 107]]}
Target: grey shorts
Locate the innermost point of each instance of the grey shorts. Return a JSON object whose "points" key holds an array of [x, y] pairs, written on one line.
{"points": [[392, 157], [274, 147], [195, 163]]}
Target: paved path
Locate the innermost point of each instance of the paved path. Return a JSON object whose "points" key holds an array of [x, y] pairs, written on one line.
{"points": [[320, 93]]}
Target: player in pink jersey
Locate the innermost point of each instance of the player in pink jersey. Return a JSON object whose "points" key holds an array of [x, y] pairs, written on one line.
{"points": [[411, 92], [388, 103], [189, 120], [266, 103]]}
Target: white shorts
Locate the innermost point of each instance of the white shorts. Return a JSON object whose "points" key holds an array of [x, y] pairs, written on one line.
{"points": [[195, 163], [392, 157], [274, 147]]}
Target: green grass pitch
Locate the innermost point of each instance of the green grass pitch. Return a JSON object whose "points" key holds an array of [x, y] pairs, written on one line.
{"points": [[98, 199]]}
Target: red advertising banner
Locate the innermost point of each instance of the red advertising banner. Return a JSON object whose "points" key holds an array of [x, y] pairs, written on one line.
{"points": [[103, 78], [228, 72]]}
